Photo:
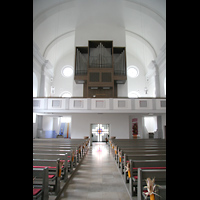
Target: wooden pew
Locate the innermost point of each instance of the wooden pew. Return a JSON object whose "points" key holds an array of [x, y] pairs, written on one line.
{"points": [[132, 156], [80, 144], [43, 190], [46, 150], [138, 144], [62, 146], [72, 156], [143, 164], [77, 149], [61, 142], [151, 146], [137, 141], [143, 174], [143, 153], [127, 158], [63, 157], [53, 169], [140, 149], [137, 151], [135, 147]]}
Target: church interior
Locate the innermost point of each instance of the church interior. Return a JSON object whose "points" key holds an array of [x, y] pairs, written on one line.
{"points": [[99, 98]]}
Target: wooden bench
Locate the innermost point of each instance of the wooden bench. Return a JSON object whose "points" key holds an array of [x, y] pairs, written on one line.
{"points": [[53, 169], [120, 154], [58, 144], [128, 157], [41, 191], [72, 156], [63, 157], [135, 147], [143, 164], [141, 153], [120, 151], [137, 141], [47, 150], [160, 179], [69, 150]]}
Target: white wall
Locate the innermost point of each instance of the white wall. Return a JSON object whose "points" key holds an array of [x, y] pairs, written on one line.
{"points": [[119, 124], [136, 84], [99, 31], [36, 79], [35, 85], [151, 86], [60, 82], [122, 90], [77, 90], [162, 77]]}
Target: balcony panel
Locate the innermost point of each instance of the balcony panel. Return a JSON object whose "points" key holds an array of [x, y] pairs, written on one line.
{"points": [[143, 104], [93, 105], [160, 104], [57, 104], [100, 104], [120, 104], [80, 104]]}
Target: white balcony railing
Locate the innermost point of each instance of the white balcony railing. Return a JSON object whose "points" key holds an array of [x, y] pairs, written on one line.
{"points": [[111, 105]]}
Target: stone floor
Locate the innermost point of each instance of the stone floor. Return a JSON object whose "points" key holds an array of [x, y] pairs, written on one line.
{"points": [[97, 177]]}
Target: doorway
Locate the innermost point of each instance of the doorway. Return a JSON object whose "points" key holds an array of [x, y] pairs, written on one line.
{"points": [[100, 132]]}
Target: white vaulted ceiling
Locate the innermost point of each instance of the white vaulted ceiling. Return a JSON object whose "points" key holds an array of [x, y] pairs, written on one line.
{"points": [[55, 23]]}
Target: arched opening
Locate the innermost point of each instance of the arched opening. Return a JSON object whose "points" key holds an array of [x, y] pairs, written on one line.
{"points": [[65, 94], [133, 94]]}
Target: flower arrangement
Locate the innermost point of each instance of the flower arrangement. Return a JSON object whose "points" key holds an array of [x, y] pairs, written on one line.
{"points": [[135, 129]]}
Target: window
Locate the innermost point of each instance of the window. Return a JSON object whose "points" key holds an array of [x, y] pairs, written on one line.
{"points": [[150, 123], [65, 119], [34, 117], [67, 71], [65, 94], [133, 94], [133, 71]]}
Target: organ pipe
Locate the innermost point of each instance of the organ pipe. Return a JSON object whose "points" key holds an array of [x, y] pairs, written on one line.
{"points": [[119, 64], [100, 57], [81, 63]]}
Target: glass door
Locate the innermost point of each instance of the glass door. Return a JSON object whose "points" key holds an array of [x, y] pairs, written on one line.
{"points": [[100, 132]]}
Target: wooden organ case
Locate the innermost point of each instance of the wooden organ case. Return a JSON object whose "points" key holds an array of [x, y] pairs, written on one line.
{"points": [[100, 67]]}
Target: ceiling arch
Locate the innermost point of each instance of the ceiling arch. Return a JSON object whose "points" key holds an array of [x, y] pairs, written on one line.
{"points": [[142, 40], [56, 40], [55, 22]]}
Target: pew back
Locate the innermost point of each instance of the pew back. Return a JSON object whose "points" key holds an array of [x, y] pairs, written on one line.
{"points": [[43, 174], [143, 174]]}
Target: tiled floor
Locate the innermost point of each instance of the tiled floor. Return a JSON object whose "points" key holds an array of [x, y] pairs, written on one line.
{"points": [[97, 177]]}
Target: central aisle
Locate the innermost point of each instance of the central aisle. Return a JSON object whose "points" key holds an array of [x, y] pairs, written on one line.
{"points": [[97, 177]]}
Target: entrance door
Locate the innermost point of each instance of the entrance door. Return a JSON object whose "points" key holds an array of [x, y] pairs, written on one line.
{"points": [[100, 132]]}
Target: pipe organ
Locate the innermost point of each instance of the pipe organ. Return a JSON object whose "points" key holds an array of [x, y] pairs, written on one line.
{"points": [[100, 67]]}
